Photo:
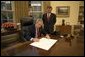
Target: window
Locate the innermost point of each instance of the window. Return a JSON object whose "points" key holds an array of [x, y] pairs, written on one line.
{"points": [[6, 11], [36, 9]]}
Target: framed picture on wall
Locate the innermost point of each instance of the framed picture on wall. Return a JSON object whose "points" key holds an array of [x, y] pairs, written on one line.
{"points": [[63, 11]]}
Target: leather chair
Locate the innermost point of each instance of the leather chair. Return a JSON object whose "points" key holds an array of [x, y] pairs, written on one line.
{"points": [[25, 23]]}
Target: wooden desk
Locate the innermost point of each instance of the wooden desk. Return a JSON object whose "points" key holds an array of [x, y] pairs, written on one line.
{"points": [[61, 48], [64, 29]]}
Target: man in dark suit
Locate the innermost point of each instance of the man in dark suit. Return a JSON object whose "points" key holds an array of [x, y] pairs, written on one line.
{"points": [[49, 20], [34, 31]]}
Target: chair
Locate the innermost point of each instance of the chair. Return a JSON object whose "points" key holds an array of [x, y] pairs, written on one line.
{"points": [[25, 22]]}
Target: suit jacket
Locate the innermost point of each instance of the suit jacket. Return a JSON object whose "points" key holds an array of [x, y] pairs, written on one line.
{"points": [[30, 32], [49, 25]]}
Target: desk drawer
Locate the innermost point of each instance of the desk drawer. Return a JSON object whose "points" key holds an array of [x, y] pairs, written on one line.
{"points": [[64, 29]]}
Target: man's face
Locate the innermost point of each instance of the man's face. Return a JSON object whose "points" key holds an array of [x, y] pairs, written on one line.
{"points": [[39, 24], [49, 10]]}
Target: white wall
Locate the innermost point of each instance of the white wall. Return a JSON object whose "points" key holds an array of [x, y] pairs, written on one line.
{"points": [[74, 10]]}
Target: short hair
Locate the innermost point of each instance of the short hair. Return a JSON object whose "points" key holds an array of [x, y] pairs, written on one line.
{"points": [[39, 20], [49, 7]]}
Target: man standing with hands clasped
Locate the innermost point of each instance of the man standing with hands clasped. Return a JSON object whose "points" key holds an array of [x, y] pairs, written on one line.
{"points": [[49, 20]]}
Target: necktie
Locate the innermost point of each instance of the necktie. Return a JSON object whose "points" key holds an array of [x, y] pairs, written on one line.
{"points": [[37, 33], [48, 16]]}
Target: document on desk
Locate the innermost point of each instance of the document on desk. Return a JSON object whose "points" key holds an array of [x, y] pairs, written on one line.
{"points": [[44, 43]]}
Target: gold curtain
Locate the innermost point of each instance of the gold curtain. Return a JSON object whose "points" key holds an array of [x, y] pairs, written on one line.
{"points": [[21, 9]]}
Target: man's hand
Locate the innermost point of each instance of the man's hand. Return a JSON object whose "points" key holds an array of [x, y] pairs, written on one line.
{"points": [[47, 36], [35, 39]]}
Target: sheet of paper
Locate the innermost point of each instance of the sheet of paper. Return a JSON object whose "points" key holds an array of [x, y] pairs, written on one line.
{"points": [[44, 43]]}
